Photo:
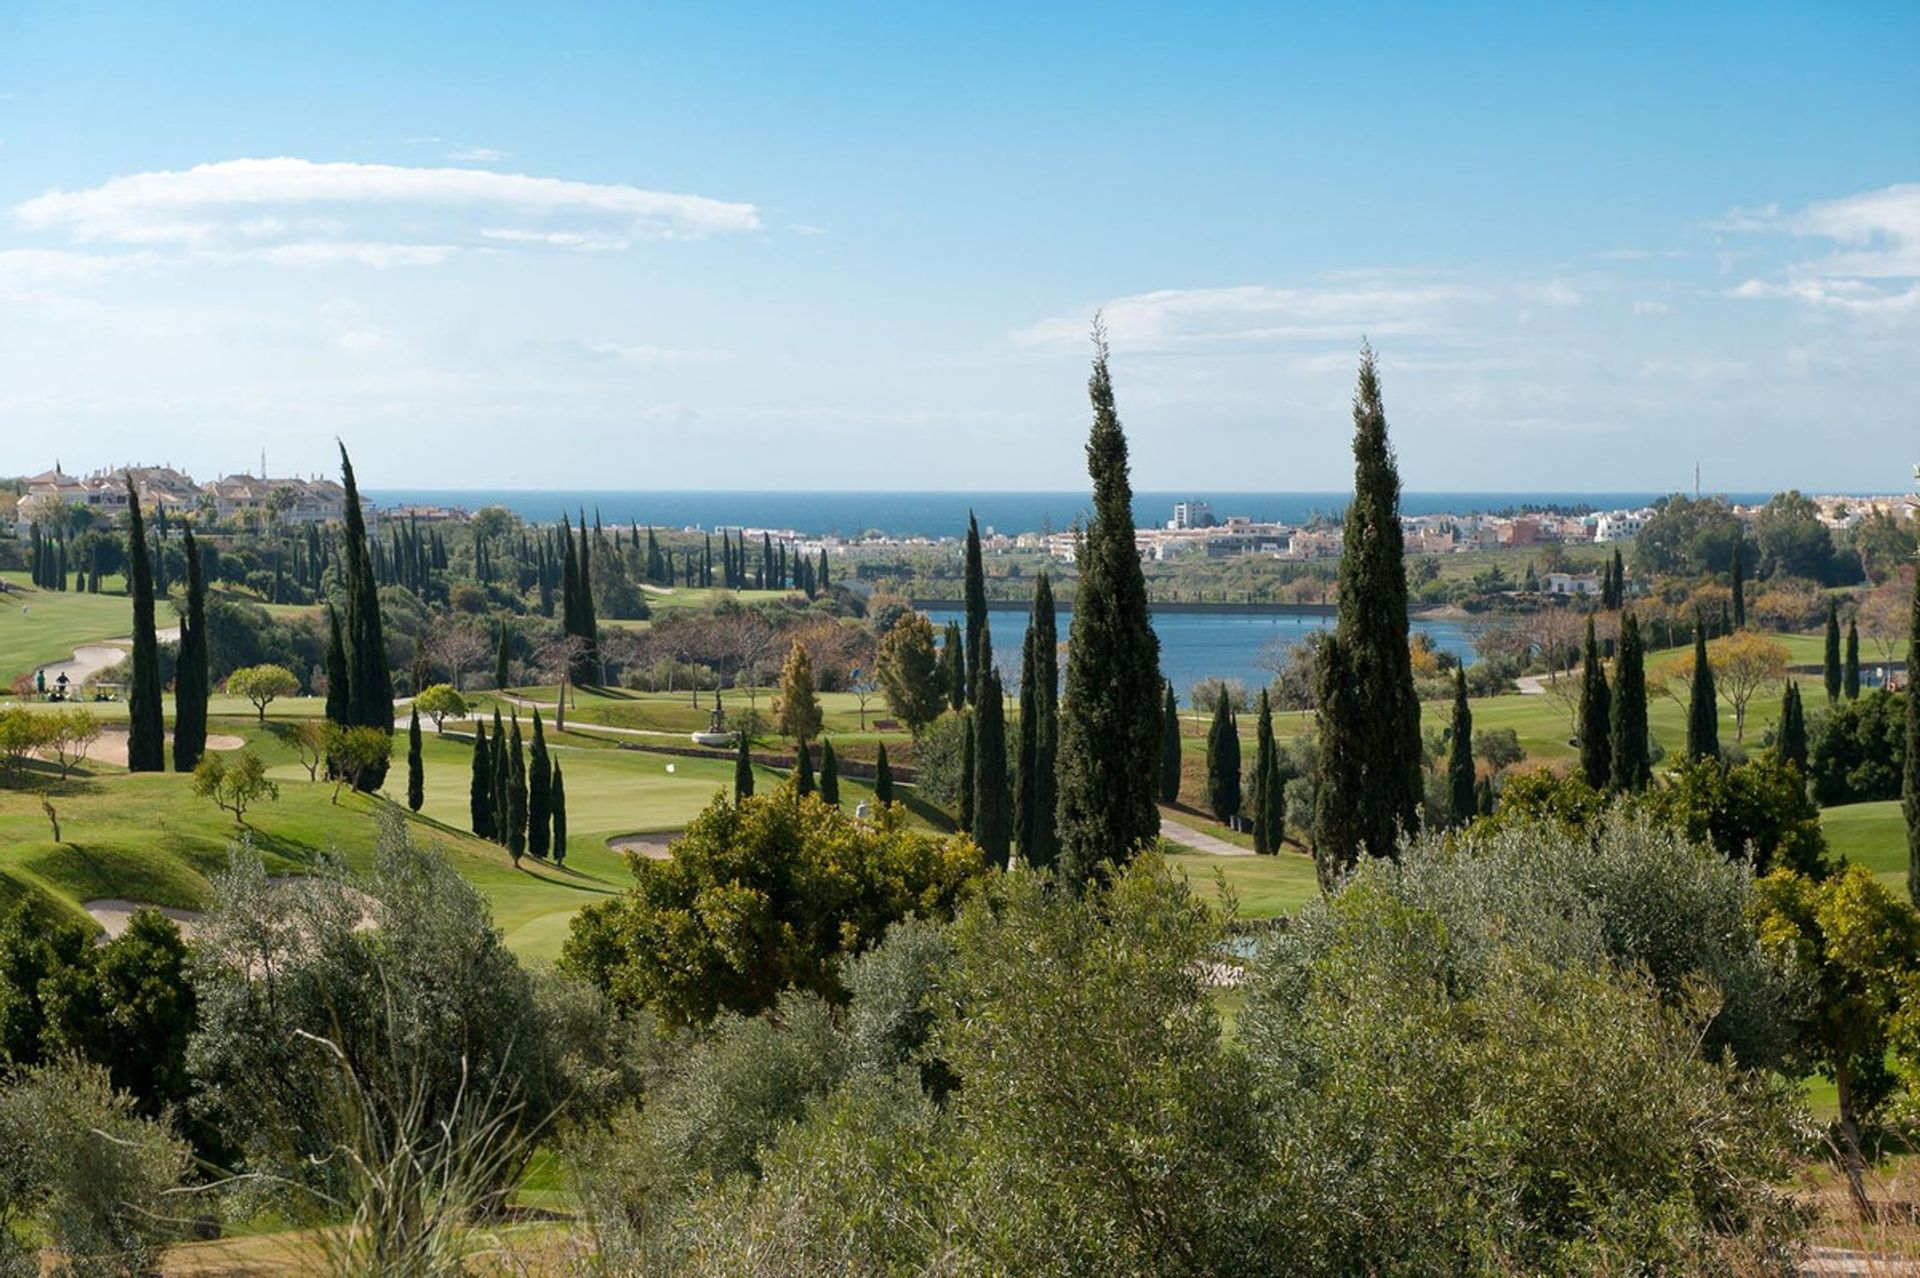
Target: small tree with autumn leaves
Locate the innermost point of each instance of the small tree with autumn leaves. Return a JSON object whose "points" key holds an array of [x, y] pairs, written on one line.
{"points": [[1745, 662], [796, 711]]}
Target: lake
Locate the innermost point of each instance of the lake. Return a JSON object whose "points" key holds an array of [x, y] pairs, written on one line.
{"points": [[1201, 645]]}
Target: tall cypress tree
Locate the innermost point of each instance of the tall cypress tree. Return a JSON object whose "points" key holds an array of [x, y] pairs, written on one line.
{"points": [[803, 771], [339, 694], [1336, 799], [1384, 729], [1223, 762], [1910, 777], [416, 766], [1632, 764], [558, 802], [1596, 715], [1619, 580], [969, 767], [1703, 708], [1739, 583], [992, 821], [480, 786], [829, 775], [1792, 746], [1832, 671], [146, 727], [369, 682], [500, 659], [1170, 758], [1266, 774], [979, 643], [953, 667], [1462, 799], [588, 666], [502, 768], [516, 792], [742, 769], [539, 793], [1034, 796], [1851, 684], [190, 680], [1110, 713], [882, 776]]}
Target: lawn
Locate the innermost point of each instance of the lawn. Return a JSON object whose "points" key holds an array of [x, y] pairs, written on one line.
{"points": [[1873, 835], [53, 624]]}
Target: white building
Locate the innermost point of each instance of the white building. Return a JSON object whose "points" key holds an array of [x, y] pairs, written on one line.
{"points": [[1619, 525], [1192, 514]]}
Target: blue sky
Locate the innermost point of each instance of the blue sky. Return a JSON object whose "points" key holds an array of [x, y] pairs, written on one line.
{"points": [[857, 247]]}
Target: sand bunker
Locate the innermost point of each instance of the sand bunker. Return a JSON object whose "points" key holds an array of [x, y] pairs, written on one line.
{"points": [[652, 846], [112, 746]]}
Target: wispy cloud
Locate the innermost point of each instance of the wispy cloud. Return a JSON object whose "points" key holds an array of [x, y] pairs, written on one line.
{"points": [[475, 155], [1875, 238], [302, 211]]}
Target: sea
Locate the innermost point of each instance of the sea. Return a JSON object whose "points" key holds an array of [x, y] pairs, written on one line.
{"points": [[944, 514]]}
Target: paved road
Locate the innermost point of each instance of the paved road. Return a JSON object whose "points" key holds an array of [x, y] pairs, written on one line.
{"points": [[1199, 841]]}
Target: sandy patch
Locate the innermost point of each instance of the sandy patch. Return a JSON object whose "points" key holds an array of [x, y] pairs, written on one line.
{"points": [[114, 913], [112, 745], [652, 846]]}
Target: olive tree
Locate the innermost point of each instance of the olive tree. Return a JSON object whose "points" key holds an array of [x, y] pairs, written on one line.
{"points": [[262, 685]]}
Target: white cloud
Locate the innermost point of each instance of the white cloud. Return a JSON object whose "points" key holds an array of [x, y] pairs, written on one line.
{"points": [[28, 268], [360, 253], [1877, 234], [1651, 308], [1170, 319], [476, 155], [559, 239], [1854, 297], [297, 204]]}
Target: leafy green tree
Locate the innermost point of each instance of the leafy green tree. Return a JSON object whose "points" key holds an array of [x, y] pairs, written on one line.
{"points": [[908, 668], [1383, 735], [1703, 707], [882, 777], [416, 767], [1269, 790], [803, 771], [369, 681], [1110, 718], [191, 682], [1757, 811], [1596, 725], [953, 666], [262, 685], [146, 729], [1855, 947], [979, 638], [760, 897], [742, 768], [1833, 674], [1223, 762], [829, 775], [235, 784], [992, 793], [439, 702], [539, 792], [557, 798], [1462, 801], [480, 787], [1859, 752], [1632, 761], [1035, 799], [1791, 744], [1739, 575], [1851, 681]]}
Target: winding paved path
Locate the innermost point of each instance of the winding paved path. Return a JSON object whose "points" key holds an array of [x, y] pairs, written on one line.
{"points": [[1198, 840]]}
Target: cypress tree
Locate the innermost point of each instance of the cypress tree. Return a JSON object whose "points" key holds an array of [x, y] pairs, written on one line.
{"points": [[539, 793], [823, 579], [1703, 709], [1832, 671], [501, 768], [589, 663], [992, 821], [416, 767], [1792, 746], [500, 655], [979, 644], [558, 802], [1383, 733], [829, 775], [1596, 719], [1336, 799], [1619, 580], [1267, 795], [1223, 762], [516, 793], [1462, 800], [1851, 686], [1034, 797], [1170, 760], [953, 667], [803, 771], [369, 682], [146, 728], [569, 582], [742, 769], [1910, 776], [1632, 765], [337, 680], [969, 767], [882, 777], [480, 787], [1739, 584], [1109, 759], [190, 680]]}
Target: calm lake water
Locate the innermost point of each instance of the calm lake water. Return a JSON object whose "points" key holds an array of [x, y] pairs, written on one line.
{"points": [[1200, 645]]}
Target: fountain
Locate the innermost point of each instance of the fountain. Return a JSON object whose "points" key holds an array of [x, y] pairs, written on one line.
{"points": [[717, 732]]}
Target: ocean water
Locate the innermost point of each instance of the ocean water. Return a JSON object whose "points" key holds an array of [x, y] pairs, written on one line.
{"points": [[1201, 645], [944, 514]]}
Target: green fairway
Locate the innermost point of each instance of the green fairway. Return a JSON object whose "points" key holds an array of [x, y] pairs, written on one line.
{"points": [[53, 624], [1873, 835], [1267, 886]]}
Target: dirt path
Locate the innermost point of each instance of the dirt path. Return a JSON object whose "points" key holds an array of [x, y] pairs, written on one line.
{"points": [[1198, 840]]}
